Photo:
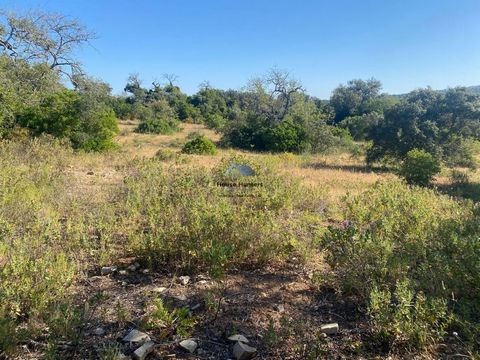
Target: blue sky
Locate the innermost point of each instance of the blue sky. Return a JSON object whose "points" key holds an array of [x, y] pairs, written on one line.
{"points": [[404, 43]]}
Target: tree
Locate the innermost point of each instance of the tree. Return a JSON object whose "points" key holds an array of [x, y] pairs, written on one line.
{"points": [[170, 78], [48, 38], [427, 120], [356, 98], [275, 93]]}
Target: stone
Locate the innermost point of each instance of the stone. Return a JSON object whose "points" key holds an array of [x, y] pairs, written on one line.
{"points": [[107, 270], [143, 351], [280, 308], [329, 329], [132, 268], [184, 280], [98, 331], [145, 271], [180, 297], [195, 307], [159, 289], [136, 336], [238, 337], [242, 351], [90, 173], [123, 272], [188, 345]]}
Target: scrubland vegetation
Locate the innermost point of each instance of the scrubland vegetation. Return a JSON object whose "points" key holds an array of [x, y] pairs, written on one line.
{"points": [[363, 211]]}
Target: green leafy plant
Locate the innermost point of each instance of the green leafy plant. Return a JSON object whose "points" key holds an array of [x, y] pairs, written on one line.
{"points": [[419, 167], [170, 321], [200, 145]]}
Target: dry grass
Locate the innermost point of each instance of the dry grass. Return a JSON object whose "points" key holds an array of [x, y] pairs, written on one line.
{"points": [[336, 174]]}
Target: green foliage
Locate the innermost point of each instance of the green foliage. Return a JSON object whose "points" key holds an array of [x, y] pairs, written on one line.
{"points": [[44, 240], [200, 145], [64, 115], [404, 317], [171, 322], [184, 220], [357, 98], [394, 234], [419, 167], [428, 120], [286, 136], [157, 118], [360, 126]]}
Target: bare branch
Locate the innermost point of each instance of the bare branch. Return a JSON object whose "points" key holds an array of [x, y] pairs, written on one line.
{"points": [[45, 38]]}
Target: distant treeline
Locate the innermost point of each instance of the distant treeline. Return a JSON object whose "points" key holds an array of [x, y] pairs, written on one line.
{"points": [[272, 113]]}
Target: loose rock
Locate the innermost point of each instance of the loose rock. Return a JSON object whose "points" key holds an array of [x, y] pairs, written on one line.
{"points": [[242, 351], [142, 352], [136, 336], [159, 289], [280, 308], [238, 337], [98, 331], [123, 272], [188, 345], [195, 307], [184, 280], [132, 268], [107, 270], [329, 329]]}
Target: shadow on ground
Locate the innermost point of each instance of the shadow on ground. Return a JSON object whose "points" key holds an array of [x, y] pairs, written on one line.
{"points": [[351, 168], [468, 190]]}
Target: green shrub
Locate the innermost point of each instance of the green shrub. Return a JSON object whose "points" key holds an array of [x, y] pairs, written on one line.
{"points": [[287, 136], [158, 125], [184, 220], [157, 118], [419, 167], [66, 115], [404, 317], [170, 321], [394, 234], [200, 145]]}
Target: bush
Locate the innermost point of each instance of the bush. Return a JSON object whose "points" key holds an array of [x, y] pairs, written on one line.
{"points": [[394, 234], [66, 115], [419, 167], [157, 125], [287, 136], [186, 221], [156, 118], [200, 145]]}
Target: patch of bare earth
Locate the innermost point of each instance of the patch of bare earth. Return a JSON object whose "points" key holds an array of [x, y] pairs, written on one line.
{"points": [[277, 309]]}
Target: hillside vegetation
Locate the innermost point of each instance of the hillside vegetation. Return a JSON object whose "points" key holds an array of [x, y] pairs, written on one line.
{"points": [[358, 235]]}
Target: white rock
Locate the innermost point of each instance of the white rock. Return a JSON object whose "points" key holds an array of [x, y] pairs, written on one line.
{"points": [[195, 307], [107, 270], [242, 351], [159, 289], [280, 308], [189, 345], [329, 329], [136, 336], [123, 272], [180, 297], [184, 280], [145, 271], [143, 351], [238, 337], [98, 331], [132, 268]]}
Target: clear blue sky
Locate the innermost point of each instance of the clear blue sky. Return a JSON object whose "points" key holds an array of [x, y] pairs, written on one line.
{"points": [[404, 43]]}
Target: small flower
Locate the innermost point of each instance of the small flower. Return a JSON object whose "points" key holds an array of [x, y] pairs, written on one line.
{"points": [[346, 224]]}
